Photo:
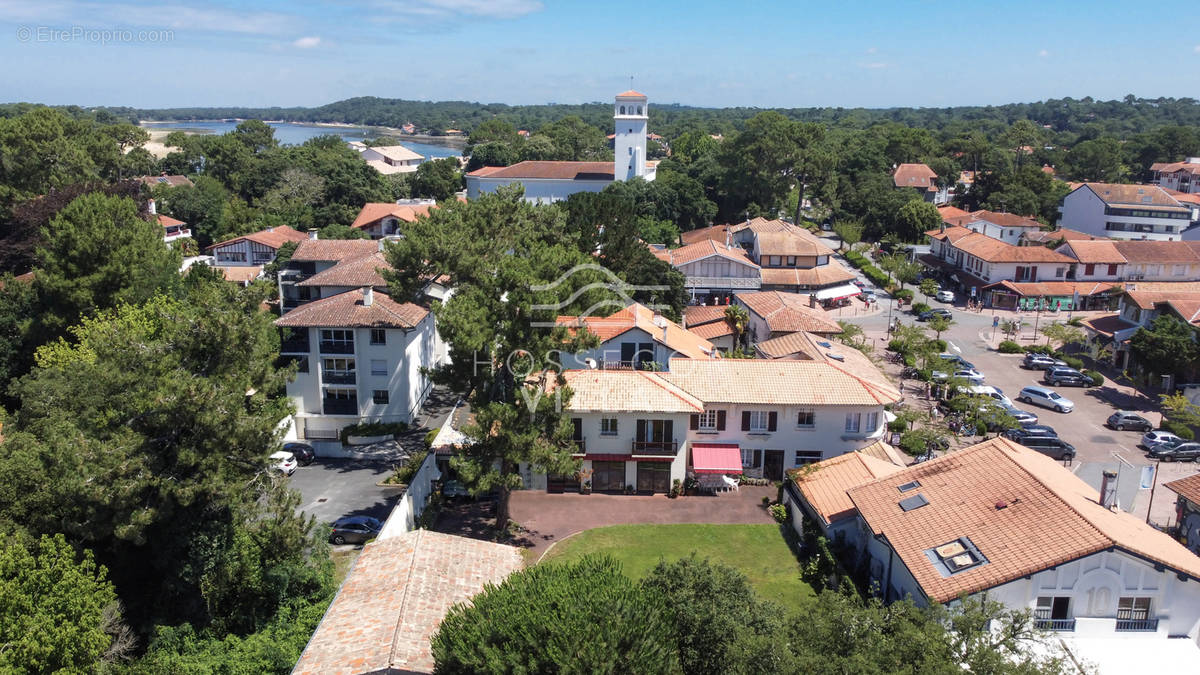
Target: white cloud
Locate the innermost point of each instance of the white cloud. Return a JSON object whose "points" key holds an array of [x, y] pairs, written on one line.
{"points": [[874, 65], [448, 9], [307, 42], [872, 50], [1043, 53]]}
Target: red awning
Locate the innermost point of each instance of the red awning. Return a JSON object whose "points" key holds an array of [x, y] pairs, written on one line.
{"points": [[716, 458]]}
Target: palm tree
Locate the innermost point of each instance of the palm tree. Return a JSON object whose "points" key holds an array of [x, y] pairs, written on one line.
{"points": [[738, 319]]}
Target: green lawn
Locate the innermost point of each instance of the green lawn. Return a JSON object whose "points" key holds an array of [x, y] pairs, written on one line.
{"points": [[759, 551]]}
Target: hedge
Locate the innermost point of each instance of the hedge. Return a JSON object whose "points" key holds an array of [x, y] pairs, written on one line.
{"points": [[919, 307], [876, 275], [1009, 347], [1075, 363], [1097, 378], [373, 429], [1179, 429], [904, 294]]}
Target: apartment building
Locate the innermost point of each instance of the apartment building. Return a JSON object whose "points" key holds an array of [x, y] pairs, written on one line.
{"points": [[1127, 212]]}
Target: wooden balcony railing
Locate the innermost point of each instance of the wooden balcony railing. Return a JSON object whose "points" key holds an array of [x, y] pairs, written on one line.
{"points": [[661, 448]]}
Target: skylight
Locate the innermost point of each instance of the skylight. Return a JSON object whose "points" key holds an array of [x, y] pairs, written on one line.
{"points": [[915, 502], [911, 485], [824, 344], [955, 556]]}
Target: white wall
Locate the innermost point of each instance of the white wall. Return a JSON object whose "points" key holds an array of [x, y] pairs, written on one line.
{"points": [[610, 351], [407, 511], [537, 190], [1083, 210]]}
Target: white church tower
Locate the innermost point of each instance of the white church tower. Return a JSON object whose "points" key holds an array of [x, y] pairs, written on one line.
{"points": [[630, 117]]}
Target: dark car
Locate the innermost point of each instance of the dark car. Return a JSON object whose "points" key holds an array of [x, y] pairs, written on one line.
{"points": [[355, 530], [304, 452], [1052, 446], [927, 315], [1123, 419], [1066, 377], [1184, 452], [1031, 431]]}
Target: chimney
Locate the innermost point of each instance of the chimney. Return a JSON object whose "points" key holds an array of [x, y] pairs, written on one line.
{"points": [[812, 299], [728, 237], [151, 207], [1108, 490], [368, 296], [381, 245], [312, 233]]}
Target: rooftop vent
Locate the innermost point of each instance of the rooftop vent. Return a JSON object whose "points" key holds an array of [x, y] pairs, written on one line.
{"points": [[911, 485], [915, 502]]}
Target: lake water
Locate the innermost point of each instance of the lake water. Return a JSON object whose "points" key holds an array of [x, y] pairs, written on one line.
{"points": [[296, 134]]}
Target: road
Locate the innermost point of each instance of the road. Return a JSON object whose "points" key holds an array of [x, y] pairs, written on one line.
{"points": [[1098, 448]]}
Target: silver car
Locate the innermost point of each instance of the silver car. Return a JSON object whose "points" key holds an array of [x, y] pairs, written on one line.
{"points": [[1153, 439], [1047, 398]]}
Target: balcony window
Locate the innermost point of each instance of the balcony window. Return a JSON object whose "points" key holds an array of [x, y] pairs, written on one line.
{"points": [[337, 341], [807, 457], [340, 401], [1054, 613], [853, 422], [338, 371], [806, 419], [1133, 614], [295, 340], [608, 426], [654, 437]]}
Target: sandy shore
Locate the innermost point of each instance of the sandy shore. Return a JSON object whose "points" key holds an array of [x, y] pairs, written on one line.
{"points": [[157, 148]]}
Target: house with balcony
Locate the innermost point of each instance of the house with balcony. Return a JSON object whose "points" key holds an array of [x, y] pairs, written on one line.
{"points": [[791, 258], [361, 357], [1127, 212], [637, 338], [996, 272], [173, 228], [774, 313], [1001, 519], [712, 270], [300, 280], [386, 219], [1140, 304], [921, 181], [1180, 176], [254, 249]]}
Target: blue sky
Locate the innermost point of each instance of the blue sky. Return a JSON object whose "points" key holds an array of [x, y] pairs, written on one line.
{"points": [[788, 54]]}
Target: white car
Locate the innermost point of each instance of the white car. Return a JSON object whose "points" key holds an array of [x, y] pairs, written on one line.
{"points": [[1153, 439], [284, 462], [1047, 398], [970, 375], [945, 296]]}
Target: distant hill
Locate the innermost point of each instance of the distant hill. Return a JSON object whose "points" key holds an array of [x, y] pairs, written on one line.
{"points": [[1122, 118]]}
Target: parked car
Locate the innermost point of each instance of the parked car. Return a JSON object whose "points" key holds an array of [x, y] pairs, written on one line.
{"points": [[927, 315], [1183, 452], [970, 375], [945, 296], [355, 530], [1154, 439], [956, 360], [1037, 361], [1047, 398], [283, 462], [1023, 417], [1052, 446], [989, 392], [1066, 377], [304, 452], [859, 282], [453, 489], [1123, 419], [1030, 431]]}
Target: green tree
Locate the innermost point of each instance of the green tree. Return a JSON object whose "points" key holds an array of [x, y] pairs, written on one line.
{"points": [[1167, 347], [558, 618], [576, 140], [1060, 335], [849, 233], [929, 287], [491, 154], [739, 320], [53, 607], [342, 232], [100, 253], [438, 179], [711, 634], [18, 307], [916, 218], [852, 334], [200, 205], [939, 324]]}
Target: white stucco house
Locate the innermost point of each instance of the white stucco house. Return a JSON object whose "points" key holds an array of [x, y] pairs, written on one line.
{"points": [[548, 181], [1128, 212]]}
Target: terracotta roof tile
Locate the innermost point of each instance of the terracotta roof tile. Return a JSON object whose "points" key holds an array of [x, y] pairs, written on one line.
{"points": [[375, 211], [173, 181], [273, 237], [1022, 510], [1174, 167], [717, 233], [627, 391], [694, 315], [796, 241], [346, 310], [805, 346], [824, 484], [1039, 289], [357, 272], [774, 382], [1094, 252], [1046, 236], [951, 234], [789, 312], [813, 277], [1005, 219], [631, 94], [712, 330], [704, 249], [330, 250], [1147, 251], [674, 337], [168, 221], [397, 593], [551, 171], [1188, 488], [1108, 324], [993, 250], [914, 176]]}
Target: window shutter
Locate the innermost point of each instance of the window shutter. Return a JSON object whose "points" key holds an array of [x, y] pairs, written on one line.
{"points": [[694, 423], [577, 423], [720, 420], [772, 420], [641, 430], [745, 420], [668, 431], [757, 458]]}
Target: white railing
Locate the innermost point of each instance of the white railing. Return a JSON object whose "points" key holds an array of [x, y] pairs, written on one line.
{"points": [[724, 282]]}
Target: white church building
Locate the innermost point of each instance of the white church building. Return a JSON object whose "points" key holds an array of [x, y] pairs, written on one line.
{"points": [[554, 181]]}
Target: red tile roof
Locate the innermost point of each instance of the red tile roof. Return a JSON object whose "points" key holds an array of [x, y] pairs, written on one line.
{"points": [[546, 170], [333, 250], [1006, 219], [812, 277], [168, 221], [694, 315], [789, 312], [717, 233], [1148, 251], [631, 94], [824, 484], [1023, 511], [356, 272], [627, 391], [397, 593], [272, 237], [703, 249], [712, 330], [1093, 252], [993, 250], [1108, 324], [347, 310], [163, 179], [1041, 289], [950, 234], [915, 176], [374, 212], [1046, 236], [796, 241], [678, 340], [778, 382], [1188, 488], [1173, 167]]}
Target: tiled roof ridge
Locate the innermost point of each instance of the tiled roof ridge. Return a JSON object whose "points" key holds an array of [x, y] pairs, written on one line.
{"points": [[416, 538], [870, 387], [672, 389]]}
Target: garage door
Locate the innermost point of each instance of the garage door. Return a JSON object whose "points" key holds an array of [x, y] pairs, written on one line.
{"points": [[653, 477], [608, 476]]}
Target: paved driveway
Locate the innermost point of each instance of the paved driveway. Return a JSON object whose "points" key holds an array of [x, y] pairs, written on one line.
{"points": [[549, 518], [333, 488]]}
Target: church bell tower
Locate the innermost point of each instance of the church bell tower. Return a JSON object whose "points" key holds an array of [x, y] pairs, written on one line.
{"points": [[630, 118]]}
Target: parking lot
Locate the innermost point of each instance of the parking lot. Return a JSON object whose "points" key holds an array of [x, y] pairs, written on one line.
{"points": [[1098, 448]]}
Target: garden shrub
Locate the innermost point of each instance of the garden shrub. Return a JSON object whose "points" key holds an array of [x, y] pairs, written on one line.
{"points": [[373, 429], [1039, 349], [897, 426], [896, 345], [408, 469], [919, 307], [904, 294], [779, 512], [1097, 378], [1072, 361], [1179, 429], [430, 435], [1075, 321], [939, 345], [1009, 347]]}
